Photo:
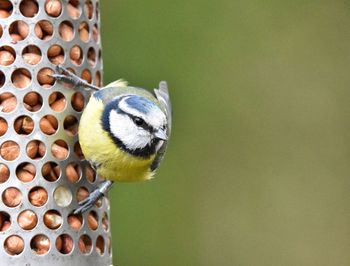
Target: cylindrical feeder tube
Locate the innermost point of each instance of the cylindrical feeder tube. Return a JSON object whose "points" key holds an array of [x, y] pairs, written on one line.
{"points": [[43, 174]]}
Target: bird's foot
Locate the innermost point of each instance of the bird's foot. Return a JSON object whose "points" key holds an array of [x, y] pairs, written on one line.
{"points": [[94, 196], [65, 75]]}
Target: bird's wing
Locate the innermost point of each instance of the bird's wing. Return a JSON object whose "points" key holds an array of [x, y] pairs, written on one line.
{"points": [[162, 95]]}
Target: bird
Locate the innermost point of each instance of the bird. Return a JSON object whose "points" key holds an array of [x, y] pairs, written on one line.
{"points": [[123, 131]]}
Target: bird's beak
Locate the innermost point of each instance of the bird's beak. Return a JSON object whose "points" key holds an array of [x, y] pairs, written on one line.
{"points": [[160, 134]]}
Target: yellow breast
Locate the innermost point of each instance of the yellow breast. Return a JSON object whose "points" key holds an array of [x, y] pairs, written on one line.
{"points": [[99, 147]]}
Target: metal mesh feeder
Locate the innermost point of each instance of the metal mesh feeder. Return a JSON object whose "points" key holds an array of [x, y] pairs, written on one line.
{"points": [[43, 174]]}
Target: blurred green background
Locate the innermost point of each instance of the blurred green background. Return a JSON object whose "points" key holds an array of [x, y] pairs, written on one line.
{"points": [[257, 170]]}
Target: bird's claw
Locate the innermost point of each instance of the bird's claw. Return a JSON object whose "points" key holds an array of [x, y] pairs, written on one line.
{"points": [[89, 202]]}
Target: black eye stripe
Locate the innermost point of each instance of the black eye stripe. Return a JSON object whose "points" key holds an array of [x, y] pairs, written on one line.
{"points": [[144, 125]]}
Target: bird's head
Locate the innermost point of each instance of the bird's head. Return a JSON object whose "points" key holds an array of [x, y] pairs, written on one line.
{"points": [[136, 124]]}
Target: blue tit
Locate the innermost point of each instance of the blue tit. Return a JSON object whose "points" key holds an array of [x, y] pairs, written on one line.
{"points": [[123, 132]]}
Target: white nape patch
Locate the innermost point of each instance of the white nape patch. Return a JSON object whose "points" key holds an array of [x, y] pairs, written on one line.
{"points": [[155, 116], [123, 128]]}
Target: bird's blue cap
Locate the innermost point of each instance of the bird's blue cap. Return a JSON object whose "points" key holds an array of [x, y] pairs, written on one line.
{"points": [[140, 104]]}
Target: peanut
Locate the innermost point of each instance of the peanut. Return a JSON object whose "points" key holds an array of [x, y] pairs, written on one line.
{"points": [[38, 196], [92, 220], [46, 126], [52, 120], [4, 173], [22, 29], [76, 54], [50, 171], [105, 222], [3, 126], [70, 124], [75, 221], [5, 222], [6, 225], [8, 105], [24, 125], [100, 245], [27, 220], [85, 244], [54, 50], [6, 58], [5, 96], [73, 11], [58, 105], [52, 219], [21, 78], [95, 33], [98, 79], [24, 176], [18, 30], [30, 168], [32, 149], [4, 13], [82, 246], [9, 150], [29, 8], [43, 30], [2, 218], [78, 101], [31, 58], [84, 31], [90, 174], [91, 56], [82, 193], [14, 245], [44, 77], [46, 27], [32, 98], [53, 97], [40, 244], [5, 4], [59, 152], [86, 74], [57, 60], [62, 196], [28, 125], [12, 197], [26, 172], [59, 243], [67, 244], [38, 31], [42, 149], [66, 31], [78, 151], [53, 8], [89, 9], [73, 172], [16, 37], [108, 245], [57, 170]]}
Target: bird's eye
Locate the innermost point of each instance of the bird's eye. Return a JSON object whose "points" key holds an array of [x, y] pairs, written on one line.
{"points": [[139, 121]]}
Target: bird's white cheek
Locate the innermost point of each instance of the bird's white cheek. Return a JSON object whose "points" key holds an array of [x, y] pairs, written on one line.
{"points": [[123, 128]]}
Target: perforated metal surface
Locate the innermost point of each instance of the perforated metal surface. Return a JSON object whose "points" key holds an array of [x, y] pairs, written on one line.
{"points": [[42, 241]]}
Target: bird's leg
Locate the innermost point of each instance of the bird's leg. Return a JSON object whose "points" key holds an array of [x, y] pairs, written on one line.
{"points": [[94, 196], [66, 76]]}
